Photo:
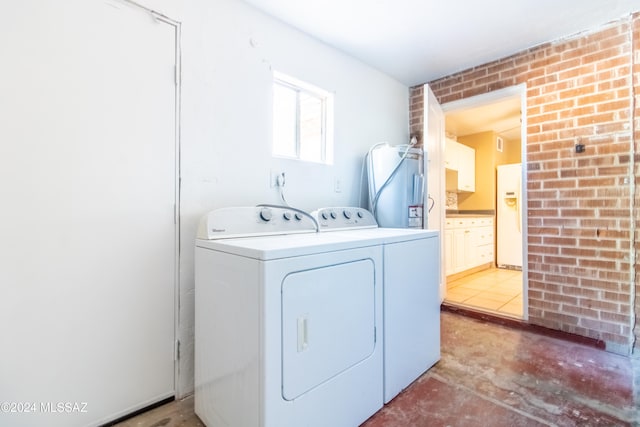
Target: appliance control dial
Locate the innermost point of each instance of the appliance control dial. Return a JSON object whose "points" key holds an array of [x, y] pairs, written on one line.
{"points": [[265, 214], [287, 216], [343, 218], [298, 216]]}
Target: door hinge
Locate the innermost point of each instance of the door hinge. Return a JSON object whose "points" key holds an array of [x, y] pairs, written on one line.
{"points": [[176, 351]]}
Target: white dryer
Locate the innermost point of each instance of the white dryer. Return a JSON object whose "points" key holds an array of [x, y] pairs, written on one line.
{"points": [[411, 271], [288, 327]]}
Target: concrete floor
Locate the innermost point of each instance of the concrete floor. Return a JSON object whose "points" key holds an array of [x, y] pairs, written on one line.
{"points": [[491, 375]]}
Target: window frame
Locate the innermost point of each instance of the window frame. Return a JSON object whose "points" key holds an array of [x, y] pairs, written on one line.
{"points": [[326, 120]]}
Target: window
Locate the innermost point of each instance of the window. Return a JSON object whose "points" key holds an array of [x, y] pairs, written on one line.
{"points": [[302, 120]]}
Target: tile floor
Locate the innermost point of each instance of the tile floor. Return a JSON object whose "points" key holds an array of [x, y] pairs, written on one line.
{"points": [[492, 375], [493, 290]]}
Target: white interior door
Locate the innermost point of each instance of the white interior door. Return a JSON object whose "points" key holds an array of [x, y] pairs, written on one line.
{"points": [[434, 146], [87, 228]]}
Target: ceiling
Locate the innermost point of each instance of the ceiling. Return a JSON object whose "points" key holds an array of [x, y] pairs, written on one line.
{"points": [[501, 117], [417, 41]]}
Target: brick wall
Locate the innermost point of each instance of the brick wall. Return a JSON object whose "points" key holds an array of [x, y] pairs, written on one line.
{"points": [[580, 215], [636, 126]]}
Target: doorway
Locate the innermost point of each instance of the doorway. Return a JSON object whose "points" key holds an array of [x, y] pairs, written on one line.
{"points": [[478, 277]]}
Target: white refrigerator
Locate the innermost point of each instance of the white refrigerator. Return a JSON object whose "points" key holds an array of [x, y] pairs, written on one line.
{"points": [[509, 216]]}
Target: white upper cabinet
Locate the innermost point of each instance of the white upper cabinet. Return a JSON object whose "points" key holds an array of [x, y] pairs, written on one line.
{"points": [[467, 171], [460, 162]]}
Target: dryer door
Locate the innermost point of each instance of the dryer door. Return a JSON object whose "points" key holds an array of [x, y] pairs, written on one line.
{"points": [[328, 323]]}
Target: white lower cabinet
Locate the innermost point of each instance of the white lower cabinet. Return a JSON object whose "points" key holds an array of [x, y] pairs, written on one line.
{"points": [[458, 250], [484, 244], [469, 242], [448, 251]]}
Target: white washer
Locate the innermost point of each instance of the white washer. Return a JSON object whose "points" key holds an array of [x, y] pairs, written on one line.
{"points": [[411, 259], [288, 328]]}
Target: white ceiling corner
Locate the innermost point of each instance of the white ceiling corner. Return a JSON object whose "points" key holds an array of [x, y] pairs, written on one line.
{"points": [[417, 41]]}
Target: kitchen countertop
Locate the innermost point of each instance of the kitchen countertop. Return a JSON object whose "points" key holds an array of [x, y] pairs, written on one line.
{"points": [[453, 213]]}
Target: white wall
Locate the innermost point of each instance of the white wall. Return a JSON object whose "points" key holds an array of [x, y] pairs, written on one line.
{"points": [[229, 50]]}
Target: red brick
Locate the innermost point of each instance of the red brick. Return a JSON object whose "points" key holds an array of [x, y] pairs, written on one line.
{"points": [[581, 292], [562, 319], [600, 243], [595, 119], [544, 305], [560, 203], [559, 183], [597, 264], [576, 213], [612, 63], [543, 250], [577, 193], [597, 182], [578, 252], [560, 222], [577, 112], [600, 325], [548, 231], [560, 260], [581, 312]]}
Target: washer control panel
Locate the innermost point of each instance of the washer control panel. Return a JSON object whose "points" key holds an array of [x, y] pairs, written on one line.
{"points": [[344, 218], [226, 223]]}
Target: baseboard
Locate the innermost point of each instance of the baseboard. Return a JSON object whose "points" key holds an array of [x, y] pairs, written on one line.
{"points": [[521, 324], [465, 273]]}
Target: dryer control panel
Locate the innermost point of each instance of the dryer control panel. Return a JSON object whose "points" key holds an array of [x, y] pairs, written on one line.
{"points": [[226, 223], [344, 218]]}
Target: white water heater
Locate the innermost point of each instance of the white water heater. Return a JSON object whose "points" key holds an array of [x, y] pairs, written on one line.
{"points": [[396, 185]]}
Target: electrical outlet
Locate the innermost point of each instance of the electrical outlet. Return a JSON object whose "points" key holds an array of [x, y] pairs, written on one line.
{"points": [[273, 177], [337, 185]]}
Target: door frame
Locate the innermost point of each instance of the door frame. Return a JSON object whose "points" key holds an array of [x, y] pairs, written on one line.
{"points": [[487, 99], [177, 26], [433, 146]]}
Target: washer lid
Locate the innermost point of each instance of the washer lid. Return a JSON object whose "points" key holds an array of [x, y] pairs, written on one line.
{"points": [[382, 235], [288, 246]]}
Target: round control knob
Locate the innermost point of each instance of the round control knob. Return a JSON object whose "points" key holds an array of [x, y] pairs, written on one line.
{"points": [[287, 216], [266, 215], [298, 216], [333, 215], [324, 215], [360, 214], [347, 214]]}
